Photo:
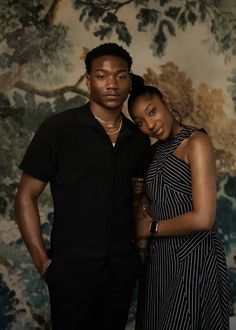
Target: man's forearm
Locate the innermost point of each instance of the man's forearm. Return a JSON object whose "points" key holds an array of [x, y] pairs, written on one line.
{"points": [[27, 217]]}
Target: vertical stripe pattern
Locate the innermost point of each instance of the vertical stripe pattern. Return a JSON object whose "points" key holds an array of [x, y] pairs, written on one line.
{"points": [[184, 285]]}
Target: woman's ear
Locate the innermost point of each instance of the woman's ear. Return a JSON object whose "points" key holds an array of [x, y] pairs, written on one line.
{"points": [[166, 101]]}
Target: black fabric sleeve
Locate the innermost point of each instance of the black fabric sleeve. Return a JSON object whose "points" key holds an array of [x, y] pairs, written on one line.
{"points": [[39, 159]]}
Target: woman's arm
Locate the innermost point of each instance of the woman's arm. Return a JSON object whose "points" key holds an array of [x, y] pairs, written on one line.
{"points": [[200, 156]]}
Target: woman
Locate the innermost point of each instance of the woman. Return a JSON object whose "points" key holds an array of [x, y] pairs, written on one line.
{"points": [[185, 283]]}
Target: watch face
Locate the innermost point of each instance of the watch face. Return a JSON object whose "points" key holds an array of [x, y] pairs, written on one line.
{"points": [[153, 227]]}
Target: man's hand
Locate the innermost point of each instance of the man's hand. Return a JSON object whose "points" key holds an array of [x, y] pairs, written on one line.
{"points": [[142, 226]]}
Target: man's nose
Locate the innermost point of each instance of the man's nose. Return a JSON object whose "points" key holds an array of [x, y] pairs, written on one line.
{"points": [[111, 82]]}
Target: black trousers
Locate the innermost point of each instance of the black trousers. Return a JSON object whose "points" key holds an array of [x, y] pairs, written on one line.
{"points": [[89, 295]]}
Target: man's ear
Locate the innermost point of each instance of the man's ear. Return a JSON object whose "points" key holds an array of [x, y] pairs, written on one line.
{"points": [[130, 82], [88, 81]]}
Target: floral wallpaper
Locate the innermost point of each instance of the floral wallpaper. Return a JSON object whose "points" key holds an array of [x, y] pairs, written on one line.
{"points": [[186, 48]]}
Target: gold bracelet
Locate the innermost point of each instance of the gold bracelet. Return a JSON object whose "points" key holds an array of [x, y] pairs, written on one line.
{"points": [[45, 267]]}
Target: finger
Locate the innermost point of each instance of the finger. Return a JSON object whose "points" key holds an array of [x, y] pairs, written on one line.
{"points": [[147, 215]]}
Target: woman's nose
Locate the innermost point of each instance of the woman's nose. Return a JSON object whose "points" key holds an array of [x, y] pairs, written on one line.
{"points": [[150, 123]]}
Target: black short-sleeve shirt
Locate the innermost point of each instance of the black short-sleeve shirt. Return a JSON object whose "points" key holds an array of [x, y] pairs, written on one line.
{"points": [[89, 180]]}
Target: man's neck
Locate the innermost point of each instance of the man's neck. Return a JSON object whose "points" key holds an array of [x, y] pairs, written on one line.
{"points": [[106, 114]]}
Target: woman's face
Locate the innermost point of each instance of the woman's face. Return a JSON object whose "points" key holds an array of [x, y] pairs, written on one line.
{"points": [[153, 117]]}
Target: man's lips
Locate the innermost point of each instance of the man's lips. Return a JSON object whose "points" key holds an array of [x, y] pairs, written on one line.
{"points": [[112, 95]]}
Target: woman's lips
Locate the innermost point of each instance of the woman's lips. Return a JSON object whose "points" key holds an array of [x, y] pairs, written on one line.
{"points": [[158, 132]]}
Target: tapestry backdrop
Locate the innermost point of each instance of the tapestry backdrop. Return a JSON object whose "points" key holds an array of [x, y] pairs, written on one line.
{"points": [[186, 48]]}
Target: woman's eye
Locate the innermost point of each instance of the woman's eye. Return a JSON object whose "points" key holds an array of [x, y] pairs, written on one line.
{"points": [[138, 123], [152, 112]]}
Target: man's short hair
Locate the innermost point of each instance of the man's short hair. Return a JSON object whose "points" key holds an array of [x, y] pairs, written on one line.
{"points": [[107, 49]]}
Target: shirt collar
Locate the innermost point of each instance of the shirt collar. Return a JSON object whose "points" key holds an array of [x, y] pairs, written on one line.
{"points": [[85, 117]]}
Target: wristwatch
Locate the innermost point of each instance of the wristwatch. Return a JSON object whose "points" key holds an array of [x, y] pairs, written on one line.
{"points": [[153, 228]]}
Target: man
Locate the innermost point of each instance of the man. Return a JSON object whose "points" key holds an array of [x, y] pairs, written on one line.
{"points": [[89, 156]]}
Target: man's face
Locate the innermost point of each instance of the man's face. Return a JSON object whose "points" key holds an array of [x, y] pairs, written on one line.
{"points": [[109, 81]]}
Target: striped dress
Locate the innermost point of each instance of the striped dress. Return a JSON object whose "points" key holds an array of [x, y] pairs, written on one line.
{"points": [[185, 282]]}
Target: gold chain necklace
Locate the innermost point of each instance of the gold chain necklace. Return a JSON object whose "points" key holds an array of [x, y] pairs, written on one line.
{"points": [[109, 126]]}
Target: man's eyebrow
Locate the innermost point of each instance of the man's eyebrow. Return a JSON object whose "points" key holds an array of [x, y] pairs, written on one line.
{"points": [[118, 71]]}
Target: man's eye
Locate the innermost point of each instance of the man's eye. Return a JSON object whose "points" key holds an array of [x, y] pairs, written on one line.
{"points": [[121, 77], [101, 76]]}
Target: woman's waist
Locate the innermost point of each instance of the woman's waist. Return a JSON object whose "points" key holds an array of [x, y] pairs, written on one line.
{"points": [[164, 212]]}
